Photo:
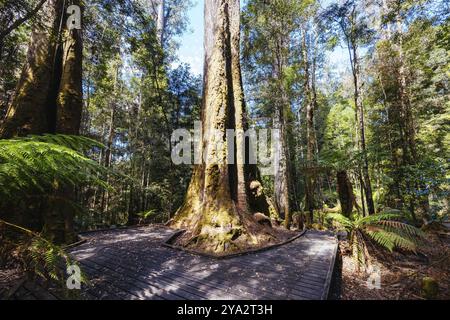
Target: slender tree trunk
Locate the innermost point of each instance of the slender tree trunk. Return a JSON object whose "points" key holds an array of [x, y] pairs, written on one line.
{"points": [[362, 135], [217, 209], [410, 149], [108, 153], [311, 102], [281, 162], [281, 178]]}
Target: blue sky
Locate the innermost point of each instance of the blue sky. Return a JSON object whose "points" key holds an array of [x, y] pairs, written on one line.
{"points": [[191, 48], [191, 43]]}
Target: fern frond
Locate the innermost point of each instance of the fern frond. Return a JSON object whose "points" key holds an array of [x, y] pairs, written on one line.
{"points": [[40, 255], [372, 219], [78, 143], [400, 227], [340, 219], [391, 240], [37, 165]]}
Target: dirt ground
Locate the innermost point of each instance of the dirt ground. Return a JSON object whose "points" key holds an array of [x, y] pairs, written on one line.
{"points": [[401, 274]]}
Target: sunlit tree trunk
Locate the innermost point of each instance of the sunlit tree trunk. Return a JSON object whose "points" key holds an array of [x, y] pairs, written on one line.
{"points": [[281, 161], [281, 178], [108, 152], [410, 149], [69, 105], [70, 94], [361, 127], [221, 196], [311, 102], [161, 21]]}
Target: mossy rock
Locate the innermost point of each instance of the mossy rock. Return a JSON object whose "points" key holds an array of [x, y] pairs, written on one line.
{"points": [[430, 288]]}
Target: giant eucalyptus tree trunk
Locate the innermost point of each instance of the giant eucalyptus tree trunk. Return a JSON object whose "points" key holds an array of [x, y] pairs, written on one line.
{"points": [[221, 196], [48, 97], [69, 101], [32, 108], [69, 104]]}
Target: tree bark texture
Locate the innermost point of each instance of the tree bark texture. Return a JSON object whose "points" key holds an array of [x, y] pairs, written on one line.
{"points": [[218, 207]]}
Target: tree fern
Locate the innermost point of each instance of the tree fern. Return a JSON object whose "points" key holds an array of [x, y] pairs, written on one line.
{"points": [[342, 220], [40, 164], [35, 167], [383, 229]]}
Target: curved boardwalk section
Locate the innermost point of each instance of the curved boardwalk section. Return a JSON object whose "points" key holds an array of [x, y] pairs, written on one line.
{"points": [[132, 264]]}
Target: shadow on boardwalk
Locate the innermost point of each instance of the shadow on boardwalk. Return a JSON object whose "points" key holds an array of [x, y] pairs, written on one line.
{"points": [[132, 264]]}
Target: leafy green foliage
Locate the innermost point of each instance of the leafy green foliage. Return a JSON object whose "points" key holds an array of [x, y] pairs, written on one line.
{"points": [[34, 167], [37, 165], [383, 229]]}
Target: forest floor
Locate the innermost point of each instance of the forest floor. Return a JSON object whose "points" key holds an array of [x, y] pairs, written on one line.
{"points": [[401, 273]]}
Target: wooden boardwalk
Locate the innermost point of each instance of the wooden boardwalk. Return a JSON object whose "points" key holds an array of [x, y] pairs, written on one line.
{"points": [[132, 264]]}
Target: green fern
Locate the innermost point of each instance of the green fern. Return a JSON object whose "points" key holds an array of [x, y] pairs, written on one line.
{"points": [[36, 165], [383, 229]]}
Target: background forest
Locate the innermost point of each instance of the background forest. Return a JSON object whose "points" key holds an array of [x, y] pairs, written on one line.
{"points": [[367, 137]]}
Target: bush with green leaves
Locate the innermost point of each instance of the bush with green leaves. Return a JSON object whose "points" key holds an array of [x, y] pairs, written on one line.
{"points": [[384, 230]]}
